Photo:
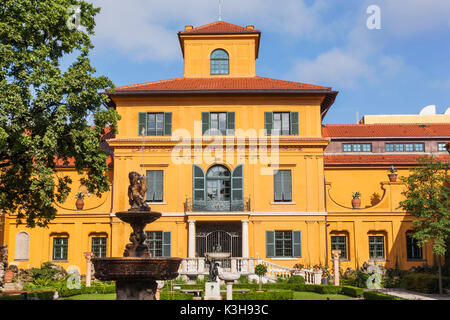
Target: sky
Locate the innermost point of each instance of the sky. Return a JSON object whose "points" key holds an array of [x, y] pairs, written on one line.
{"points": [[395, 60]]}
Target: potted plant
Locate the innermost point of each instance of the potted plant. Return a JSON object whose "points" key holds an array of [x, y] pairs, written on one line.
{"points": [[356, 201], [393, 175], [299, 266], [80, 202], [260, 270]]}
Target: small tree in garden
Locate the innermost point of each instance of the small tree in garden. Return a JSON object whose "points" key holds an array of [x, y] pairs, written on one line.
{"points": [[260, 271], [427, 199]]}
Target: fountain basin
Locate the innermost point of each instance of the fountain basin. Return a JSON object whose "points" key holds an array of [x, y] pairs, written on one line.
{"points": [[134, 268], [142, 217], [217, 255], [229, 276]]}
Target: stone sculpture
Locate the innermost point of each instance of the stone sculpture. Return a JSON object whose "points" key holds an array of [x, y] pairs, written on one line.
{"points": [[136, 191]]}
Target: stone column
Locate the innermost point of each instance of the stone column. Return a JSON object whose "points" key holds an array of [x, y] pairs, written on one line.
{"points": [[191, 252], [88, 256], [336, 254], [245, 253]]}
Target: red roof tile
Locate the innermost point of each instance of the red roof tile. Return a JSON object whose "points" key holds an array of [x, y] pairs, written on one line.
{"points": [[218, 27], [377, 159], [221, 84], [386, 130]]}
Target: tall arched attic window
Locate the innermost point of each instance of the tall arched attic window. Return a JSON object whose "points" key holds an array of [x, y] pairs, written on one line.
{"points": [[22, 250], [220, 62]]}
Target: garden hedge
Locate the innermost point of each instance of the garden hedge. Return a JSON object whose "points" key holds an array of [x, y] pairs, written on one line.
{"points": [[266, 295], [175, 296], [352, 291], [374, 295], [424, 282]]}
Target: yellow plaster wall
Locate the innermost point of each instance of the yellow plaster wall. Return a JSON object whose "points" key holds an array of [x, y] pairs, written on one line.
{"points": [[240, 48]]}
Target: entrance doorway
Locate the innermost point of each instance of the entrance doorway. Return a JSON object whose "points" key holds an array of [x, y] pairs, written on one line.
{"points": [[227, 236]]}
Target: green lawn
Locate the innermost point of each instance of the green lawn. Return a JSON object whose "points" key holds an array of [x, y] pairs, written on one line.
{"points": [[297, 296], [317, 296], [93, 296]]}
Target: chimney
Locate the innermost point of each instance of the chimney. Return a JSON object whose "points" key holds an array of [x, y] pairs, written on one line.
{"points": [[188, 27], [250, 27]]}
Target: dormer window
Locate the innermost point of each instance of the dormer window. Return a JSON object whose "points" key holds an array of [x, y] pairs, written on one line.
{"points": [[220, 62]]}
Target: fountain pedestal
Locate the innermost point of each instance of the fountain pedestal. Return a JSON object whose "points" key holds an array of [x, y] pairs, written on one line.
{"points": [[136, 273], [212, 287]]}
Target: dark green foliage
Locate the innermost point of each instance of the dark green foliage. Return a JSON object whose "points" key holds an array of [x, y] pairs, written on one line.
{"points": [[352, 291], [296, 279], [176, 296], [41, 295], [374, 295], [424, 282], [12, 297], [267, 295], [44, 108]]}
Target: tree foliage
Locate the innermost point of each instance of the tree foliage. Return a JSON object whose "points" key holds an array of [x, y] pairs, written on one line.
{"points": [[427, 199], [44, 107]]}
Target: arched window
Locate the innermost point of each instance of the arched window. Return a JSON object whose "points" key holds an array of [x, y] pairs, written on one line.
{"points": [[220, 62], [218, 184], [22, 250]]}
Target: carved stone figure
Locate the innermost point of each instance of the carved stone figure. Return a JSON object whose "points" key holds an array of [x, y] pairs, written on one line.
{"points": [[137, 190]]}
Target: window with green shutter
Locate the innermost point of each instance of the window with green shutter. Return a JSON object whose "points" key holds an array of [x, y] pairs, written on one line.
{"points": [[155, 124], [198, 183], [283, 243], [159, 243], [281, 123], [218, 123], [340, 243], [155, 185], [376, 247], [60, 248], [282, 183], [237, 183], [98, 246]]}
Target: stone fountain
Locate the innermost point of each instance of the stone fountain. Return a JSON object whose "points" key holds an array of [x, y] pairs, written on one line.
{"points": [[212, 287], [136, 272]]}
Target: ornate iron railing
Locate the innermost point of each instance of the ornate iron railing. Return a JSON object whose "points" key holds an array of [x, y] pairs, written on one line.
{"points": [[235, 205]]}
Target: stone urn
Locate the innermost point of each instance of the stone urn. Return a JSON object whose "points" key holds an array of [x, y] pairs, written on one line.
{"points": [[229, 278]]}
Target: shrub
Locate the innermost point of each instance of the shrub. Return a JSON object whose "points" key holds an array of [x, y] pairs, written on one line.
{"points": [[243, 279], [424, 282], [296, 279], [12, 297], [277, 295], [41, 295], [352, 291], [176, 296], [374, 295], [327, 289]]}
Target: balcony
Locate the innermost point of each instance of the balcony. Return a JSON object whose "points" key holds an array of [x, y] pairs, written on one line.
{"points": [[213, 205]]}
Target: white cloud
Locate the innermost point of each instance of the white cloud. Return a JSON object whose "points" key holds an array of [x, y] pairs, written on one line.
{"points": [[334, 67], [146, 30]]}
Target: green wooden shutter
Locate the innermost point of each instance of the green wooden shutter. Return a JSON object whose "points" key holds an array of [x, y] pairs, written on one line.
{"points": [[167, 123], [158, 185], [205, 122], [294, 123], [198, 183], [230, 123], [287, 185], [237, 183], [297, 243], [268, 122], [278, 186], [270, 243], [150, 188], [166, 244], [142, 123]]}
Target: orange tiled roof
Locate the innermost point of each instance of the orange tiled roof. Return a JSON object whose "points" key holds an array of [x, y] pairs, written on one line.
{"points": [[218, 27], [378, 159], [386, 130], [220, 84]]}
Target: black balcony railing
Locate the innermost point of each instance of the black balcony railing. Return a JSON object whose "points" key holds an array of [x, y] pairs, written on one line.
{"points": [[213, 205]]}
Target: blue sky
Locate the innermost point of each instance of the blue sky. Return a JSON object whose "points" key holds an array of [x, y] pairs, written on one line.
{"points": [[398, 69]]}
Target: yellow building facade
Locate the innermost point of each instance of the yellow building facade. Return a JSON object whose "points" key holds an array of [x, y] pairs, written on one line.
{"points": [[234, 162]]}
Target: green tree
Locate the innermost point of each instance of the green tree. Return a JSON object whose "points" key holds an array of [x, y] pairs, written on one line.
{"points": [[427, 199], [260, 270], [44, 108]]}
